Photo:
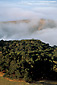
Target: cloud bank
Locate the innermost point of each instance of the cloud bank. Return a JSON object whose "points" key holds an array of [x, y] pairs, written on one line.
{"points": [[30, 10], [27, 10], [30, 30]]}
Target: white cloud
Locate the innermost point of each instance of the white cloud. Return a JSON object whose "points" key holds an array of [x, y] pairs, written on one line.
{"points": [[16, 13], [27, 10], [46, 35], [28, 31]]}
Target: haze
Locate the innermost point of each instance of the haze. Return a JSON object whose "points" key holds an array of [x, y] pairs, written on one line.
{"points": [[33, 11]]}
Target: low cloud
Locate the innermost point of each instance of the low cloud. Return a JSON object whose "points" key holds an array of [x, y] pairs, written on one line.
{"points": [[30, 11], [17, 11], [18, 31]]}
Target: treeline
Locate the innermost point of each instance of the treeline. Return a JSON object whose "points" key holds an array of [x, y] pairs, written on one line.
{"points": [[28, 60]]}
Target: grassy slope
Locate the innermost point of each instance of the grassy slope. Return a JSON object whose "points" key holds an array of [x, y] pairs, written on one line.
{"points": [[4, 81]]}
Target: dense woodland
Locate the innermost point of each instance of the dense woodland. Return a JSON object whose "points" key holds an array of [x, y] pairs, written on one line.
{"points": [[29, 60]]}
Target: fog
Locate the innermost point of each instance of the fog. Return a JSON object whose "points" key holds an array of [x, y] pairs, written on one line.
{"points": [[31, 10], [30, 30]]}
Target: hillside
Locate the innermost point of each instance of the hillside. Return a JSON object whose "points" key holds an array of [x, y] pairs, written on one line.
{"points": [[28, 60], [17, 21], [41, 24]]}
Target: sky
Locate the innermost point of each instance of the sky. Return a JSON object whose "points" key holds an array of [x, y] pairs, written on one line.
{"points": [[25, 9], [34, 10]]}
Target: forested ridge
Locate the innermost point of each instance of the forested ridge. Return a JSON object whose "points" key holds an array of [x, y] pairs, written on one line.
{"points": [[28, 60]]}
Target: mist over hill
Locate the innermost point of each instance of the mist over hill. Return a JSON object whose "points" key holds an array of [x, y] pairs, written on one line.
{"points": [[43, 29], [26, 29]]}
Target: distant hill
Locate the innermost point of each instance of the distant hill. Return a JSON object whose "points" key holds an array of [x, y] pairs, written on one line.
{"points": [[17, 21], [41, 24]]}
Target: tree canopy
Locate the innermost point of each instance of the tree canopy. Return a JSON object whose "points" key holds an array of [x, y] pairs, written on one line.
{"points": [[29, 60]]}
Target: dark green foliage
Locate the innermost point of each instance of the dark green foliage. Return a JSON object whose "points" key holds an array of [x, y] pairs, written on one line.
{"points": [[27, 59]]}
